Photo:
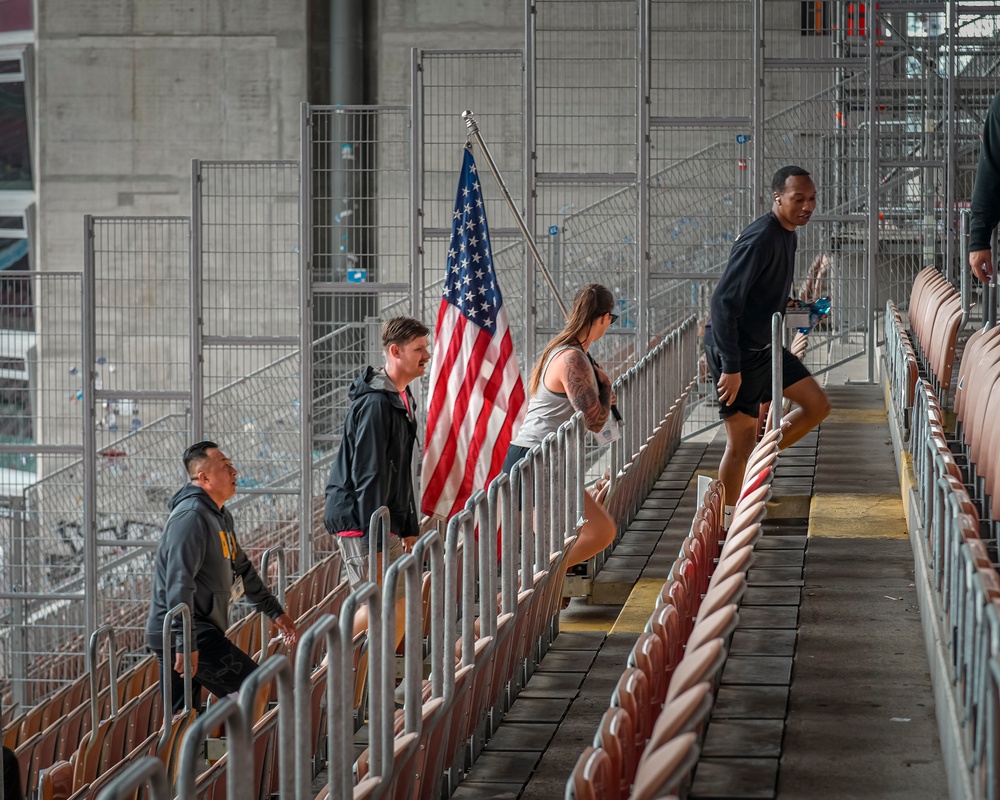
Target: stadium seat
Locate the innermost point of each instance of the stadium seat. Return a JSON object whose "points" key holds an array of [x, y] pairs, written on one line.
{"points": [[730, 590], [688, 712], [616, 736], [719, 625], [648, 655], [632, 694], [666, 623], [702, 664], [735, 561], [592, 778], [744, 536], [667, 769]]}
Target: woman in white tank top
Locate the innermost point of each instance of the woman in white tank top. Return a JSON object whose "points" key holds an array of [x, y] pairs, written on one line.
{"points": [[563, 382]]}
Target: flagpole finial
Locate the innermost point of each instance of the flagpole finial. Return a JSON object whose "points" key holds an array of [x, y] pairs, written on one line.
{"points": [[470, 121]]}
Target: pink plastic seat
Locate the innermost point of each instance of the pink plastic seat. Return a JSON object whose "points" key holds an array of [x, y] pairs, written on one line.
{"points": [[736, 561], [718, 625], [728, 591], [685, 713], [667, 769], [697, 666]]}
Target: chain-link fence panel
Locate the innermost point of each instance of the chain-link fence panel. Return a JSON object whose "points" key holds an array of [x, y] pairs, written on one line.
{"points": [[139, 272], [491, 84], [41, 427], [247, 271], [360, 251]]}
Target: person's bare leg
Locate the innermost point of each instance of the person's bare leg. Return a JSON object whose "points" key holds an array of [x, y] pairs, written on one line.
{"points": [[741, 436], [596, 534], [812, 407]]}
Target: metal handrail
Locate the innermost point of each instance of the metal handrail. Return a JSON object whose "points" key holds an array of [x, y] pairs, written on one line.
{"points": [[239, 753], [279, 670], [112, 670], [147, 771], [327, 627], [185, 613], [265, 623]]}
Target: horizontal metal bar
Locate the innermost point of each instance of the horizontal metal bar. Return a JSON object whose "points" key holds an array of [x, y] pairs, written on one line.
{"points": [[39, 596], [177, 218], [127, 543], [630, 332], [433, 234], [498, 52], [42, 449], [926, 162], [961, 8], [815, 63], [263, 490], [241, 163], [215, 341], [839, 218], [337, 287], [687, 276], [360, 107], [690, 122], [918, 86], [139, 394], [35, 273], [888, 7], [585, 177]]}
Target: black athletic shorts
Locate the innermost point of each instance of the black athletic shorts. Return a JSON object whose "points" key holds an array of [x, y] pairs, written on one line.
{"points": [[756, 373]]}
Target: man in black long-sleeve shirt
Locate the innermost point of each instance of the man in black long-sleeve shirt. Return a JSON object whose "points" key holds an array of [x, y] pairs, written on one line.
{"points": [[986, 196], [755, 284]]}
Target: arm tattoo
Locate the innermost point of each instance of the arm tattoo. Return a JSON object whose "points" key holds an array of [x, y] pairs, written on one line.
{"points": [[583, 390]]}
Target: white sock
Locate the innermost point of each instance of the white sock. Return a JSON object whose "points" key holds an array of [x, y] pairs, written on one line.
{"points": [[727, 517]]}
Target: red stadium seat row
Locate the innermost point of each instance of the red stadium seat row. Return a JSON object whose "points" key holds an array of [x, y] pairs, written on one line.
{"points": [[935, 316], [647, 743], [902, 365], [962, 567], [977, 406]]}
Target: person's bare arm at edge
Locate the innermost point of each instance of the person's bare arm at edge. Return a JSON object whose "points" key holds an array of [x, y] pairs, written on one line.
{"points": [[586, 394], [728, 386], [982, 264]]}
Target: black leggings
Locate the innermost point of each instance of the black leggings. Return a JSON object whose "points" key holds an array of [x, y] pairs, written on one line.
{"points": [[222, 668], [11, 776]]}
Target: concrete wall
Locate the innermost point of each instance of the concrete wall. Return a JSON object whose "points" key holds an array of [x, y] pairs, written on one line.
{"points": [[128, 92], [443, 24]]}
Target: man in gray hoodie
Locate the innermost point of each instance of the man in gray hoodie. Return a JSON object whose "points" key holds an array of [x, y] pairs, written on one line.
{"points": [[200, 563]]}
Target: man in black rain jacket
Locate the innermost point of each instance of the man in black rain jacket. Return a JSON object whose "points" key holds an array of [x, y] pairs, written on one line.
{"points": [[373, 466]]}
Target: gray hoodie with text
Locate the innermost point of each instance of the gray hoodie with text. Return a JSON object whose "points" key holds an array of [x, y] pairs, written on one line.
{"points": [[196, 563]]}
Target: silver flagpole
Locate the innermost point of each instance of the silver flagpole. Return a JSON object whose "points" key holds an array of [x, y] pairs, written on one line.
{"points": [[473, 126]]}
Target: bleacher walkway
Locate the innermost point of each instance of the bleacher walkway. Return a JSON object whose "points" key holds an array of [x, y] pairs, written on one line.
{"points": [[826, 691]]}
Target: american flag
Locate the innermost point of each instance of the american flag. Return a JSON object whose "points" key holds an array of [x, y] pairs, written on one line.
{"points": [[476, 392]]}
